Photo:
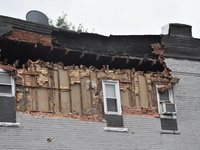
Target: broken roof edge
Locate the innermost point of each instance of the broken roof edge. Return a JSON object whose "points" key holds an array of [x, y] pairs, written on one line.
{"points": [[82, 41], [111, 43], [25, 25]]}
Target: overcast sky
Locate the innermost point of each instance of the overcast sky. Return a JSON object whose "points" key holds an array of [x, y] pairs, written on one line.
{"points": [[118, 17]]}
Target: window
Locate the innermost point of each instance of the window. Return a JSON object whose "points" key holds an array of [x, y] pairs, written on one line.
{"points": [[167, 109], [6, 84], [112, 106], [7, 99], [111, 95], [165, 99], [166, 95]]}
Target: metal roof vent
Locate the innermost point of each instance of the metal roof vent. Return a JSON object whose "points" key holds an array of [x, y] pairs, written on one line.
{"points": [[37, 16]]}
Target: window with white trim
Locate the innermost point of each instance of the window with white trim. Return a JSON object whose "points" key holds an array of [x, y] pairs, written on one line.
{"points": [[7, 99], [166, 95], [6, 84], [165, 101], [166, 108], [111, 95]]}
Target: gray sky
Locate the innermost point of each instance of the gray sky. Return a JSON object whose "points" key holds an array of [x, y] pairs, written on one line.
{"points": [[118, 17]]}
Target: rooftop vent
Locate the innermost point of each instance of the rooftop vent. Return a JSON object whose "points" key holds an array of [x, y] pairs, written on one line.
{"points": [[37, 16]]}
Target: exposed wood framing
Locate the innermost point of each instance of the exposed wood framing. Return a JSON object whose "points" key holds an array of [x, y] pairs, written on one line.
{"points": [[48, 87]]}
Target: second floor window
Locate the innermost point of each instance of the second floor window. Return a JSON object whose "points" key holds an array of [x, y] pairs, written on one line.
{"points": [[111, 94]]}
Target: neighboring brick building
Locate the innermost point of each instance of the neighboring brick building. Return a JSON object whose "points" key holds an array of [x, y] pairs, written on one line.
{"points": [[62, 79]]}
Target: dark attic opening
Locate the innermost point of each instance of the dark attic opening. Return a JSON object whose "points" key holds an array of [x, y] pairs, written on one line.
{"points": [[21, 41]]}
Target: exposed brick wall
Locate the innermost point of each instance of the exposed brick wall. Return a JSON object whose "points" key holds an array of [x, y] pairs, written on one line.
{"points": [[29, 37], [187, 98]]}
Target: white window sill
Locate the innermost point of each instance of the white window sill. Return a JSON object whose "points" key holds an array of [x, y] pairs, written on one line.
{"points": [[168, 116], [6, 95], [113, 113], [170, 132], [9, 124], [115, 129]]}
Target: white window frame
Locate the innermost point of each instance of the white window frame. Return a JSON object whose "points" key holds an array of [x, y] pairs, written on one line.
{"points": [[117, 90], [12, 84], [171, 99]]}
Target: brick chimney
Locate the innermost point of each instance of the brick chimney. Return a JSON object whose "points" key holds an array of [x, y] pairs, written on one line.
{"points": [[176, 29]]}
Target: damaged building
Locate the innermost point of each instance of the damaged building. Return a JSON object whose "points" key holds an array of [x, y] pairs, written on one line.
{"points": [[65, 90]]}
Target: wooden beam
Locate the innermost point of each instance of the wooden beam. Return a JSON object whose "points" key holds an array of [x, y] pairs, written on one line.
{"points": [[82, 55], [97, 57]]}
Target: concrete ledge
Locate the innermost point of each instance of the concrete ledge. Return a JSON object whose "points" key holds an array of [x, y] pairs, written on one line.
{"points": [[170, 132], [114, 129], [9, 124]]}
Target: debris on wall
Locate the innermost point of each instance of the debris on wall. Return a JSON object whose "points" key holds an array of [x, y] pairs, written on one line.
{"points": [[82, 117], [55, 88], [42, 79], [74, 76], [40, 88], [8, 68], [159, 49], [140, 111]]}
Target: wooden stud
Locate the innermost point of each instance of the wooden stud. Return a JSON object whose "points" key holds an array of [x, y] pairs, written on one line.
{"points": [[81, 92], [70, 95], [59, 94]]}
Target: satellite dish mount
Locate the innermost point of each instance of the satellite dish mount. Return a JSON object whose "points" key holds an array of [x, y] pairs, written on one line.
{"points": [[37, 16]]}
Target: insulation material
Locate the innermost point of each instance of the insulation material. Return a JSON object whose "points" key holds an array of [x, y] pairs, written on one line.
{"points": [[149, 82], [41, 69], [56, 93], [74, 76], [23, 99], [77, 90], [18, 78], [124, 79], [112, 75], [41, 79], [124, 86], [136, 91], [84, 73], [19, 97]]}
